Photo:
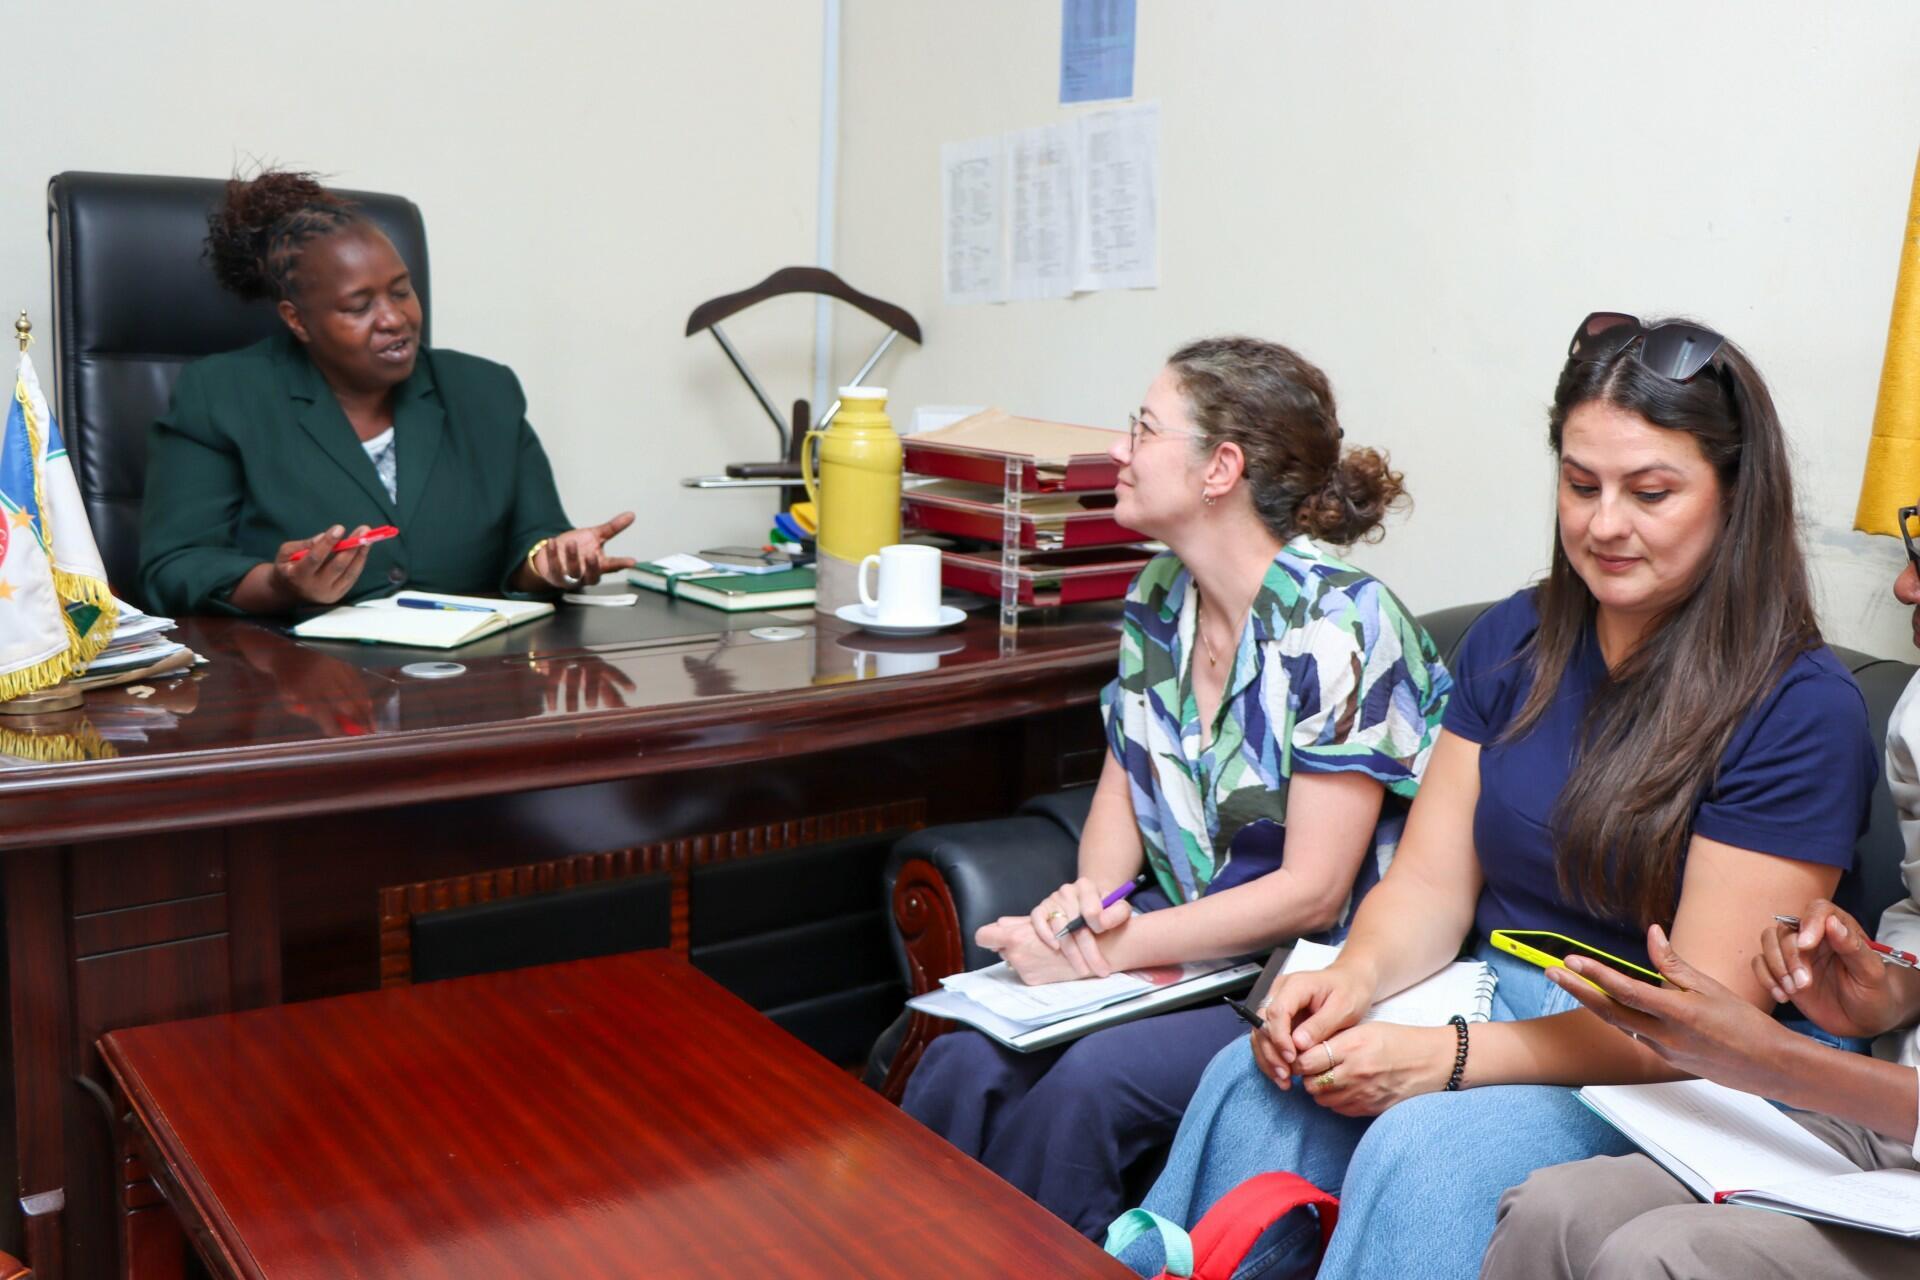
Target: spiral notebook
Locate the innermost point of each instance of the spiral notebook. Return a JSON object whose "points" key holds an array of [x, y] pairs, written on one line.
{"points": [[1464, 987]]}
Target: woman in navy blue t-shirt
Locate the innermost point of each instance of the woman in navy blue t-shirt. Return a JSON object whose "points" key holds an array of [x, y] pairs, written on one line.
{"points": [[1655, 734]]}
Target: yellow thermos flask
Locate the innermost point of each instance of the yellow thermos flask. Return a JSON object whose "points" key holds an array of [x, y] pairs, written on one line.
{"points": [[852, 473]]}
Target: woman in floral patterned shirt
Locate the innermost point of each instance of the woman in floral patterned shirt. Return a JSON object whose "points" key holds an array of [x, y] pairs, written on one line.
{"points": [[1272, 715]]}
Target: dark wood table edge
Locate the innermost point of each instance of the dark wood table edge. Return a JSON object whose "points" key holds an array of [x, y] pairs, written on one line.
{"points": [[441, 764], [210, 1229], [149, 1136]]}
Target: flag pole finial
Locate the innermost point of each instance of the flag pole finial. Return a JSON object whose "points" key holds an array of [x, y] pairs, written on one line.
{"points": [[23, 330]]}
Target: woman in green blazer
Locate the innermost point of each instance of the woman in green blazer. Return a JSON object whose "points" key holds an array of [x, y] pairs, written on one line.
{"points": [[341, 424]]}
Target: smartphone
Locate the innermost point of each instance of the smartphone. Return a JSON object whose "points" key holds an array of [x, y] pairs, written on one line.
{"points": [[1550, 950]]}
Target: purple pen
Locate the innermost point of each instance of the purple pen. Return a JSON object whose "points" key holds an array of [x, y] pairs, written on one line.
{"points": [[1078, 923]]}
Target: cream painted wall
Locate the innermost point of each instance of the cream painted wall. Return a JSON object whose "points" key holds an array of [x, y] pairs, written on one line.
{"points": [[588, 173], [1426, 199]]}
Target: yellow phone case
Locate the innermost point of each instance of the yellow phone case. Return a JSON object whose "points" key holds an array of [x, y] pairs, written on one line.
{"points": [[1511, 942]]}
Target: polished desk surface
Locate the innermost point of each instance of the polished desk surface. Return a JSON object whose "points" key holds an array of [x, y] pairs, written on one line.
{"points": [[615, 1117], [274, 727]]}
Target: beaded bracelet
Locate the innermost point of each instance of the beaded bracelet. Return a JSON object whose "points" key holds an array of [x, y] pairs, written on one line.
{"points": [[1459, 1025]]}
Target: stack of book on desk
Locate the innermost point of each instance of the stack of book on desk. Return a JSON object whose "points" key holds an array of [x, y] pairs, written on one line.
{"points": [[687, 577], [1022, 1017], [139, 649]]}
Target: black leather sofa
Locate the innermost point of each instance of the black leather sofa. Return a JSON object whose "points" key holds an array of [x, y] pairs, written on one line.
{"points": [[945, 882]]}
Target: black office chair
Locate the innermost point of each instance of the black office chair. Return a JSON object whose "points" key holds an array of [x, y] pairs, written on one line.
{"points": [[134, 300]]}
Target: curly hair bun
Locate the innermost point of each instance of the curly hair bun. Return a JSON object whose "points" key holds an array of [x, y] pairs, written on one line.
{"points": [[1354, 501], [241, 231]]}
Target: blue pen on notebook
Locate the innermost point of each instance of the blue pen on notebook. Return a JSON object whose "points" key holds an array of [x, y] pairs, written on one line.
{"points": [[415, 602], [1126, 890]]}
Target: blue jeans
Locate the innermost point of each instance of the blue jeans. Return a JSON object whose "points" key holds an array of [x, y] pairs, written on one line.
{"points": [[1418, 1184]]}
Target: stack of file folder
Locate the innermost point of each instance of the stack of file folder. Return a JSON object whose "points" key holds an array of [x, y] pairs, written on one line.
{"points": [[140, 648]]}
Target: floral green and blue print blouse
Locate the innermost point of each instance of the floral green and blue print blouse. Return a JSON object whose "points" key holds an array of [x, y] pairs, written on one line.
{"points": [[1331, 675]]}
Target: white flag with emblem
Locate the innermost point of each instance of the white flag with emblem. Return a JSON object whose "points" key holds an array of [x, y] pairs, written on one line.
{"points": [[56, 613]]}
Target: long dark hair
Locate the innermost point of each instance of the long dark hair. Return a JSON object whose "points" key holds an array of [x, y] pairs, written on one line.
{"points": [[1654, 734]]}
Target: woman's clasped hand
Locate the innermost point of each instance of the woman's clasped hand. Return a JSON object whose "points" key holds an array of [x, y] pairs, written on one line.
{"points": [[1313, 1029]]}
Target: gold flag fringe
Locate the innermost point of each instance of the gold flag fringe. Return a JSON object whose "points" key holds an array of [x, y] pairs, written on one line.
{"points": [[85, 743]]}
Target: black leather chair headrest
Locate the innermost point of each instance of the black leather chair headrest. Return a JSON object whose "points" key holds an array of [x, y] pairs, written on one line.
{"points": [[134, 301]]}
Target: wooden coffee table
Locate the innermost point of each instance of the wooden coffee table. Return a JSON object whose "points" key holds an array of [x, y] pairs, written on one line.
{"points": [[614, 1117]]}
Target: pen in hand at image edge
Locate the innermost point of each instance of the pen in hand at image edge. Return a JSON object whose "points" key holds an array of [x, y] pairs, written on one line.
{"points": [[1905, 959], [1124, 891]]}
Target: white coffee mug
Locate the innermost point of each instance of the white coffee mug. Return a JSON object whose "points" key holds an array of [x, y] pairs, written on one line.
{"points": [[909, 594]]}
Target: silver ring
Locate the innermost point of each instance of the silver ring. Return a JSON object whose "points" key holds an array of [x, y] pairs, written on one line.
{"points": [[1330, 1062], [568, 580]]}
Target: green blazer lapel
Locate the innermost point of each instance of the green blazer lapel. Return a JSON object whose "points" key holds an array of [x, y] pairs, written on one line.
{"points": [[321, 418], [419, 421]]}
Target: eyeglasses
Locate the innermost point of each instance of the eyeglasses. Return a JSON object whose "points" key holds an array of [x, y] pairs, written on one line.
{"points": [[1674, 350], [1137, 428], [1909, 529]]}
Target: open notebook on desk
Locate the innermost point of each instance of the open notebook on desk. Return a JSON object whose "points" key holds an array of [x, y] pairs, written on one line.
{"points": [[446, 623], [1730, 1147]]}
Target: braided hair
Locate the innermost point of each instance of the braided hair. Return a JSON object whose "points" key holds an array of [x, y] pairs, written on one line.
{"points": [[257, 234]]}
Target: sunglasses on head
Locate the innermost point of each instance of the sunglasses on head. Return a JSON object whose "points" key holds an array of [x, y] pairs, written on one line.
{"points": [[1675, 350]]}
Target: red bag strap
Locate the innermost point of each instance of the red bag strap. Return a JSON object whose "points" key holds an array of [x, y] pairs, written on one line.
{"points": [[1222, 1238]]}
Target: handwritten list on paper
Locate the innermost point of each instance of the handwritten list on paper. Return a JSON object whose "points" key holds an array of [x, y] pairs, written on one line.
{"points": [[1053, 211], [973, 262]]}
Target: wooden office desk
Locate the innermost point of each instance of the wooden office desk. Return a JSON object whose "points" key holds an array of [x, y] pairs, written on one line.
{"points": [[233, 850], [604, 1118]]}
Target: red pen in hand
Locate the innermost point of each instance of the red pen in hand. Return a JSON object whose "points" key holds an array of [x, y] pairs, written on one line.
{"points": [[381, 534], [1904, 959]]}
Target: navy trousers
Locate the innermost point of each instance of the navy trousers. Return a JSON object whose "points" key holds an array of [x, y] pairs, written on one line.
{"points": [[1065, 1125]]}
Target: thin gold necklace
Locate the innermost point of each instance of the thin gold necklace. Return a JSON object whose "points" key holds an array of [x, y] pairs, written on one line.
{"points": [[1200, 625]]}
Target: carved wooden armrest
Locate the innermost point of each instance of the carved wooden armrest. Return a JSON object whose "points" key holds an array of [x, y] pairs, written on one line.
{"points": [[930, 930]]}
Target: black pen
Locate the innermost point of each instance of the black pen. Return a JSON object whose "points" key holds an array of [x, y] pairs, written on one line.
{"points": [[1247, 1015]]}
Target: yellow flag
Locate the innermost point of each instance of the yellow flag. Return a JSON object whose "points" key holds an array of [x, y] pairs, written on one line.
{"points": [[1892, 478]]}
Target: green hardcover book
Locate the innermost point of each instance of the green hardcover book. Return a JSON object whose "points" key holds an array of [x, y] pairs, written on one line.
{"points": [[733, 592]]}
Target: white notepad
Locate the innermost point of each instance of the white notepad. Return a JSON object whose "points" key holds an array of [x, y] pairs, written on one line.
{"points": [[1730, 1147], [1464, 987], [387, 621]]}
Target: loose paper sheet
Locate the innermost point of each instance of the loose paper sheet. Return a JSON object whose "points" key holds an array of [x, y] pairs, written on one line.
{"points": [[972, 199], [1118, 236], [1049, 212], [1040, 181], [1096, 49]]}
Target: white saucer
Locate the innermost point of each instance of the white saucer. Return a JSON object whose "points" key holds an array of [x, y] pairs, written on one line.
{"points": [[857, 614]]}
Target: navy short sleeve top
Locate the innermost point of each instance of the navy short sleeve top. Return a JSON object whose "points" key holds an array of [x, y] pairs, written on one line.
{"points": [[1795, 780]]}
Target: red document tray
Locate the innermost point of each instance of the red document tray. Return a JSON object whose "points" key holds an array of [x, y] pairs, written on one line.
{"points": [[1084, 471], [1049, 522], [1063, 577]]}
